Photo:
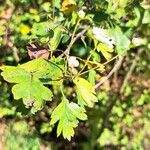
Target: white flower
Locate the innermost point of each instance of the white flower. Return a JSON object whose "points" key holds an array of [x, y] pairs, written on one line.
{"points": [[102, 35], [73, 62], [81, 13]]}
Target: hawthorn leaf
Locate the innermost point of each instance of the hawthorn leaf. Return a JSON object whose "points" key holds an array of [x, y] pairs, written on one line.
{"points": [[28, 87], [68, 6], [85, 91], [33, 93], [92, 77], [14, 74], [122, 42], [41, 29], [105, 50], [57, 113], [56, 3], [77, 111], [46, 71], [81, 101], [67, 114]]}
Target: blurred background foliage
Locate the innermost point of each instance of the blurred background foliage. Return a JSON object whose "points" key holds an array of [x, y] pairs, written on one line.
{"points": [[121, 118]]}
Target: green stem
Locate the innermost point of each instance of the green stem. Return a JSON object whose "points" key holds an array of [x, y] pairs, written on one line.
{"points": [[100, 65], [72, 38], [62, 91], [85, 63], [75, 29]]}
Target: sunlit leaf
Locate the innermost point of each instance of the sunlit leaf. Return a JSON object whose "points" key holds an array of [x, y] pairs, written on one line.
{"points": [[28, 87], [56, 3], [33, 93], [105, 50], [121, 3], [68, 6], [67, 114], [47, 71], [145, 4], [6, 111], [146, 17], [85, 91], [134, 22], [95, 56], [14, 74], [29, 79], [74, 18]]}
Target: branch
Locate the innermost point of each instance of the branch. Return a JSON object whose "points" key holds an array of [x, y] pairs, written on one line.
{"points": [[66, 52], [115, 68]]}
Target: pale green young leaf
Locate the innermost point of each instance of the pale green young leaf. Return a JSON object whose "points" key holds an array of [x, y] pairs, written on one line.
{"points": [[85, 91], [146, 17], [69, 131], [4, 111], [95, 56], [105, 50], [60, 127], [92, 77], [74, 18], [56, 3]]}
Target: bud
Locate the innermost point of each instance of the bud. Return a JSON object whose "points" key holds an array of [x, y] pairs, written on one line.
{"points": [[81, 14], [73, 62]]}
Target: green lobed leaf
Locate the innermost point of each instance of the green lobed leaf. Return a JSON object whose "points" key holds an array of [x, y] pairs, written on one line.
{"points": [[81, 101], [105, 50], [77, 111], [33, 93], [56, 3], [46, 71], [95, 56], [85, 92], [14, 74], [67, 114], [27, 87], [29, 79]]}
